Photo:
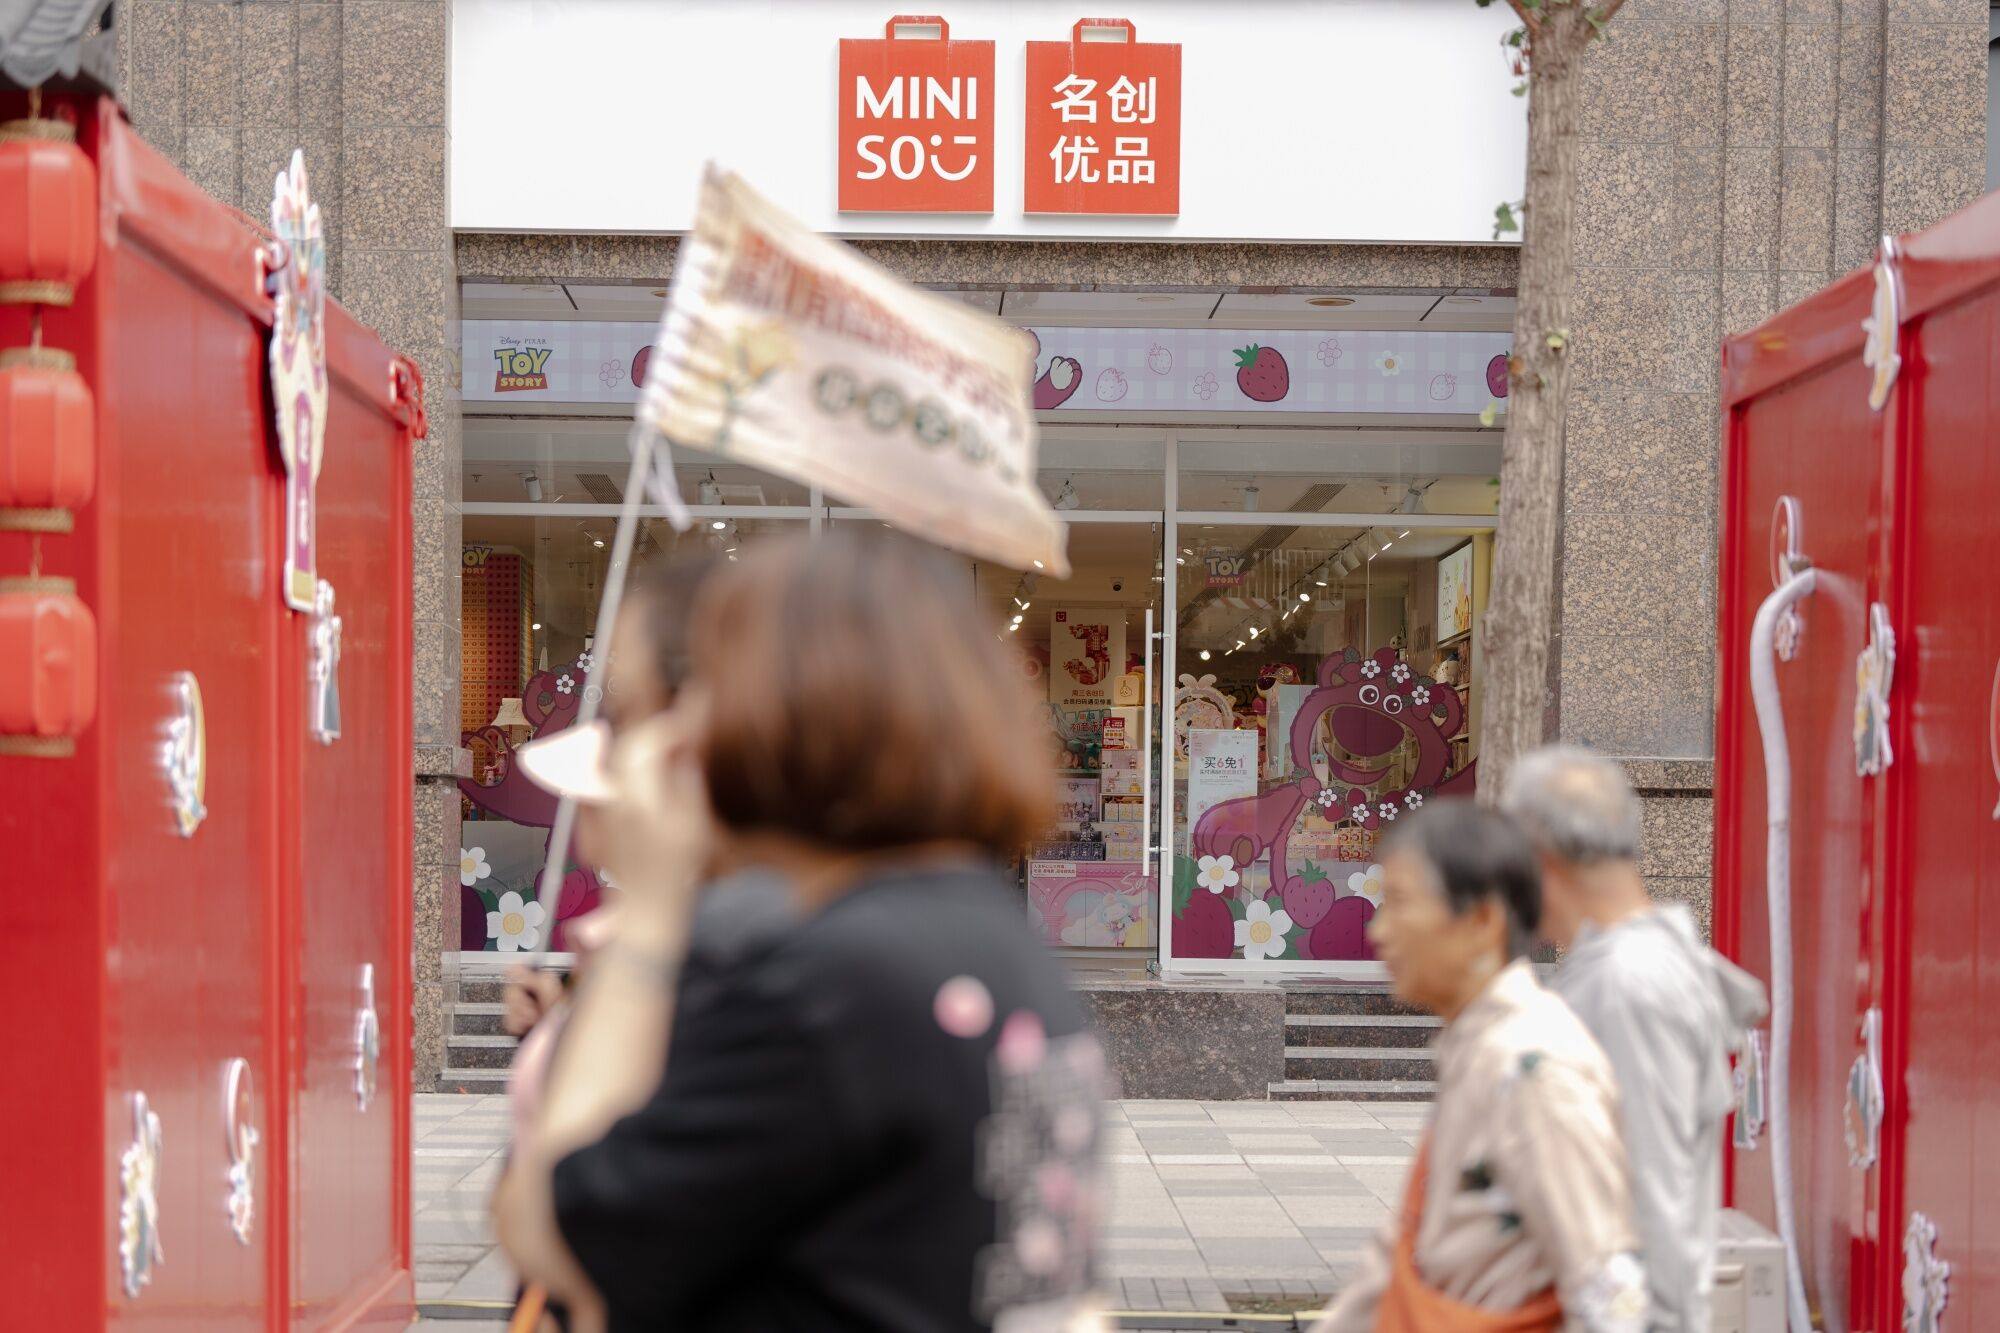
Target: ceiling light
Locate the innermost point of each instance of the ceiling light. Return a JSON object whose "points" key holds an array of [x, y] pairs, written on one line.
{"points": [[1066, 497], [719, 524], [1306, 596], [1187, 550], [598, 542], [533, 484], [1180, 560], [1204, 654], [1329, 302], [1319, 583], [536, 625], [1018, 602], [729, 550], [708, 492], [1404, 533], [1040, 565]]}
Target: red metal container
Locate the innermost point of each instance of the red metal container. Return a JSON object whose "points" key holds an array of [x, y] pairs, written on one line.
{"points": [[1895, 877], [207, 906]]}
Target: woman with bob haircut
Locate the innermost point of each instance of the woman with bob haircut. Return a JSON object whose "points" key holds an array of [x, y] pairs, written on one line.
{"points": [[884, 1114]]}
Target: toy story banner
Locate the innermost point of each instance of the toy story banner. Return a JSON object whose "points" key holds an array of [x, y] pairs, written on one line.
{"points": [[1080, 370]]}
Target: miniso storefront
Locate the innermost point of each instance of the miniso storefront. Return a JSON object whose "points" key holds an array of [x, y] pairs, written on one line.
{"points": [[1254, 248]]}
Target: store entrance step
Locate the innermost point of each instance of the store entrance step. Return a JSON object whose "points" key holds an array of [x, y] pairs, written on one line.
{"points": [[1355, 1041], [1350, 1090]]}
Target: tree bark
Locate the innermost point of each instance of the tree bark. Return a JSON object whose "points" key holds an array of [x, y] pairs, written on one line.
{"points": [[1518, 610]]}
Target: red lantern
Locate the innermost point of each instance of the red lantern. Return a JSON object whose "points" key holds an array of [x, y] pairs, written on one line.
{"points": [[48, 431], [48, 664], [48, 212]]}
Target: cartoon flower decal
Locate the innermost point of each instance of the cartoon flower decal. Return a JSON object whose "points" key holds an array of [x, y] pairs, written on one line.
{"points": [[1216, 873], [517, 924], [472, 866], [1261, 933], [1204, 386], [585, 661], [565, 684], [1388, 810], [1413, 799], [1367, 884], [1327, 800], [611, 374], [1389, 364], [1399, 672], [1329, 352], [1420, 696], [1371, 669]]}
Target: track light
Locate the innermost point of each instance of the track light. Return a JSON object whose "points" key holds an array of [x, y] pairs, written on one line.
{"points": [[533, 484], [1066, 497], [719, 524], [708, 492], [1306, 596], [1204, 654]]}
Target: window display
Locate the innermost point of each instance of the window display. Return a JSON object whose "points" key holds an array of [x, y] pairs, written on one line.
{"points": [[1321, 713]]}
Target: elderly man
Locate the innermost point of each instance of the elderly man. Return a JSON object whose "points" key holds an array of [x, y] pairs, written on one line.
{"points": [[1665, 1008]]}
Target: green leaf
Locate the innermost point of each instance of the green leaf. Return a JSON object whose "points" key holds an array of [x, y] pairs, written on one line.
{"points": [[1520, 89], [1489, 414], [1504, 221], [1558, 339], [1236, 908], [1247, 356], [1313, 874], [1185, 871]]}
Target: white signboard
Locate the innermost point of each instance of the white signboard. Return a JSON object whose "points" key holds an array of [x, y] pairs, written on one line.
{"points": [[1222, 765], [1364, 120], [1080, 370], [790, 352]]}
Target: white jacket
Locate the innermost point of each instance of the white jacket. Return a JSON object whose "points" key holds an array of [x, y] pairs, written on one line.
{"points": [[1667, 1010]]}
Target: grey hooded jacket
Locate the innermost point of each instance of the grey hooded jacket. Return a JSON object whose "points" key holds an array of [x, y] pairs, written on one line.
{"points": [[1667, 1010]]}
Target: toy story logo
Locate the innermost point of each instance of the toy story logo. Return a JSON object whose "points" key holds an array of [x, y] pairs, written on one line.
{"points": [[1225, 570], [522, 367]]}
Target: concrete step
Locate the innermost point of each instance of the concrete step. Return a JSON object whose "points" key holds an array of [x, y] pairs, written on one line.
{"points": [[477, 1018], [479, 1051], [1397, 1030], [1364, 1063], [1351, 1090], [481, 989], [1348, 1000], [456, 1079]]}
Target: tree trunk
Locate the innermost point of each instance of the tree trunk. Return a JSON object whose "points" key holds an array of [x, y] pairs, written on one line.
{"points": [[1531, 467]]}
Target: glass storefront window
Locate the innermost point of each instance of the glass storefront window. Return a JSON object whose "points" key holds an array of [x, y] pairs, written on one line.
{"points": [[1326, 684], [581, 462], [530, 587]]}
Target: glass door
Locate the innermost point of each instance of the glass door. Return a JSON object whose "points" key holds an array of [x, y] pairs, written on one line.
{"points": [[1325, 684]]}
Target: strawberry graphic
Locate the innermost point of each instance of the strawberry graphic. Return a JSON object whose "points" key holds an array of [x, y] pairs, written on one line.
{"points": [[1262, 374]]}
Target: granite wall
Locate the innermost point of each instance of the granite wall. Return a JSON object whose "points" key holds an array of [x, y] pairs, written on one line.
{"points": [[228, 90]]}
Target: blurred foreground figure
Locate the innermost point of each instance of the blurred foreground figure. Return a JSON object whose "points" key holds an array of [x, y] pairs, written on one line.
{"points": [[1517, 1218], [1665, 1008], [883, 1115]]}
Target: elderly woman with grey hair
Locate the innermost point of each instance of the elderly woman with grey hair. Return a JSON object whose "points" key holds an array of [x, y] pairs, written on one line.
{"points": [[1665, 1008]]}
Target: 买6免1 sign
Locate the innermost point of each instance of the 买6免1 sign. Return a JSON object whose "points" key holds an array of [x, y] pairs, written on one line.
{"points": [[1103, 123], [916, 122]]}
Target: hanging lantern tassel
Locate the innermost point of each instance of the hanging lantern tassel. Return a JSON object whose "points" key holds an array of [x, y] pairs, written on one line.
{"points": [[48, 431], [48, 201], [48, 667]]}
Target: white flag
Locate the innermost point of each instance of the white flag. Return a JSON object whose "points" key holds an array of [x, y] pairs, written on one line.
{"points": [[786, 350]]}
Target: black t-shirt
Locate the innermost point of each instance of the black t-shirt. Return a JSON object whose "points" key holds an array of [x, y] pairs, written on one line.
{"points": [[883, 1116]]}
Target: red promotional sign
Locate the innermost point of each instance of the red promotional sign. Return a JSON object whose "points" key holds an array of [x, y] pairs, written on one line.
{"points": [[916, 121], [1104, 123]]}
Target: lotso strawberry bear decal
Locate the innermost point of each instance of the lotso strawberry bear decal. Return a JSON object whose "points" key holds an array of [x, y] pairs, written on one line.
{"points": [[1261, 373], [1372, 707], [1063, 377]]}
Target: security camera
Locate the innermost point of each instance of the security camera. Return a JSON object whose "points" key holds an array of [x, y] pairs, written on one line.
{"points": [[1118, 585]]}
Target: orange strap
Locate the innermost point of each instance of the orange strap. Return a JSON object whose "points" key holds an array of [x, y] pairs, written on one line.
{"points": [[528, 1310], [1409, 1305]]}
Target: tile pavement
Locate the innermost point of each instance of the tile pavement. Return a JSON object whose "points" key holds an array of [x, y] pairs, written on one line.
{"points": [[1213, 1204]]}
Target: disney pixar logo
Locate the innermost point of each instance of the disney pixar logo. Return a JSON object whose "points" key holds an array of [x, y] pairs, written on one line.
{"points": [[521, 368]]}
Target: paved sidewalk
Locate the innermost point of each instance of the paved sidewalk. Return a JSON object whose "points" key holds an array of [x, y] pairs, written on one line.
{"points": [[1214, 1205]]}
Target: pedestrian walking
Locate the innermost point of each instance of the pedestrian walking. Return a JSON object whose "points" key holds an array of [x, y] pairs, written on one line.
{"points": [[884, 1116], [1666, 1009], [1517, 1215]]}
